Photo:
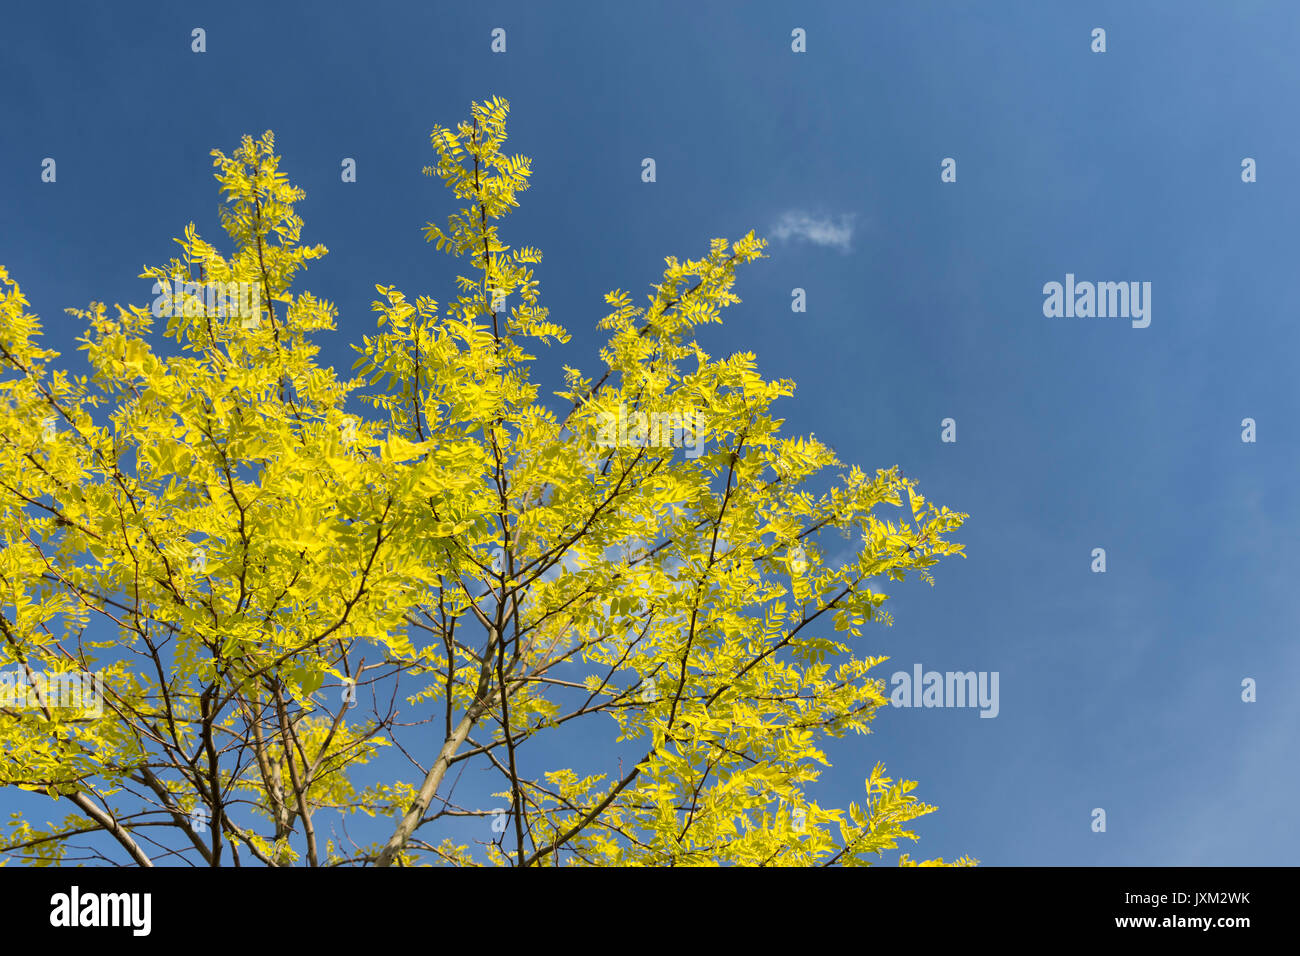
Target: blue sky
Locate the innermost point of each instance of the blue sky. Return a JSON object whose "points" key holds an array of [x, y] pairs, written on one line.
{"points": [[1118, 690]]}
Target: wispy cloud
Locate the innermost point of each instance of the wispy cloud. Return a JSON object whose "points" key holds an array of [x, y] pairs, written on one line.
{"points": [[819, 230]]}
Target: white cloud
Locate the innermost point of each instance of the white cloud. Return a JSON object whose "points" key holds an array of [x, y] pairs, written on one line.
{"points": [[819, 230]]}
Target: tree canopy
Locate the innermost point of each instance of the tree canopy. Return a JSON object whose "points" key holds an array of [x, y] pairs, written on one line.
{"points": [[296, 614]]}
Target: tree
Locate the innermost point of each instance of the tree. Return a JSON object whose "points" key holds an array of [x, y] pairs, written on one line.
{"points": [[273, 594]]}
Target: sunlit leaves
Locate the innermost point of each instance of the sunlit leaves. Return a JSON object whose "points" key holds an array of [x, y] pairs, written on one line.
{"points": [[295, 570]]}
